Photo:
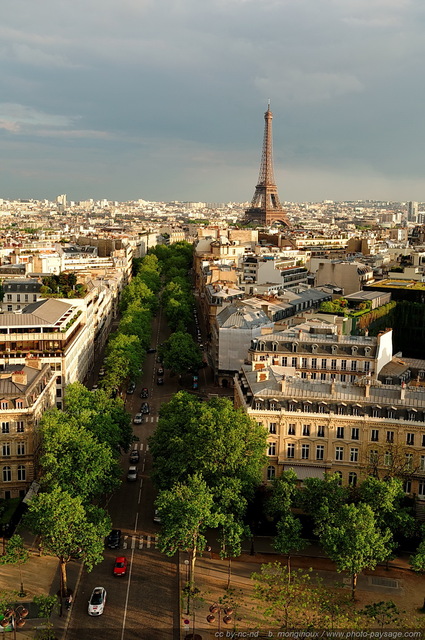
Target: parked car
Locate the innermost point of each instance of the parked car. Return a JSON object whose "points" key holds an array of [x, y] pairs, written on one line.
{"points": [[120, 566], [131, 387], [102, 372], [114, 539], [138, 418], [151, 350], [159, 359], [134, 456], [144, 393], [97, 601], [160, 381], [144, 408], [157, 517], [160, 371], [132, 474]]}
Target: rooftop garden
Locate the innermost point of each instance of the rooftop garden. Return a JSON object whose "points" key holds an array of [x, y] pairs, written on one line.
{"points": [[62, 286]]}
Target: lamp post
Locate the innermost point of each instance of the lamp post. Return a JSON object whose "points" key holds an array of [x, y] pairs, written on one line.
{"points": [[14, 617], [216, 612]]}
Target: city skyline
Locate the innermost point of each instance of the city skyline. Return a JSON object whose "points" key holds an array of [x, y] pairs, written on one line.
{"points": [[165, 101]]}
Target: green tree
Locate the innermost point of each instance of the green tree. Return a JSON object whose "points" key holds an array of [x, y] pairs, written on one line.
{"points": [[386, 498], [322, 498], [288, 537], [186, 511], [46, 606], [417, 560], [383, 613], [283, 492], [73, 459], [289, 604], [214, 439], [232, 532], [353, 540], [16, 554], [66, 528], [181, 353]]}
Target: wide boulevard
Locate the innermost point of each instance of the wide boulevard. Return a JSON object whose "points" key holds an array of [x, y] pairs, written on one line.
{"points": [[144, 603]]}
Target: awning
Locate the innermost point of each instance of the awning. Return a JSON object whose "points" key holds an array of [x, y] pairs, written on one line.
{"points": [[306, 471]]}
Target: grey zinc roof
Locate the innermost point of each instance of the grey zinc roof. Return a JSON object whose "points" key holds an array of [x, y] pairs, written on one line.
{"points": [[337, 392], [240, 317], [9, 388], [50, 310]]}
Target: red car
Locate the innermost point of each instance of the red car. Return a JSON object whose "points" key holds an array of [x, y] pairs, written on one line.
{"points": [[120, 566]]}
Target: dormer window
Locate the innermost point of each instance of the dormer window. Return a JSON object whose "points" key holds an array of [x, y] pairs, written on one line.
{"points": [[294, 347], [353, 350], [274, 346], [334, 348], [314, 348], [261, 346], [367, 351]]}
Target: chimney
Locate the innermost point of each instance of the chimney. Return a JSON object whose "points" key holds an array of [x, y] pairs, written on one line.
{"points": [[283, 384], [19, 377], [33, 363], [262, 375], [367, 390], [403, 390], [265, 308]]}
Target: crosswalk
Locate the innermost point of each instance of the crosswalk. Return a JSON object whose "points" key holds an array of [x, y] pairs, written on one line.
{"points": [[140, 541], [152, 418]]}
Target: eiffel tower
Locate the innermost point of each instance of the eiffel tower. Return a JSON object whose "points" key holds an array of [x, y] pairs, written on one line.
{"points": [[265, 206]]}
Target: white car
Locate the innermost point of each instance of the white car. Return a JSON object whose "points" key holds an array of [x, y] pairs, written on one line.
{"points": [[97, 601], [132, 474], [138, 418]]}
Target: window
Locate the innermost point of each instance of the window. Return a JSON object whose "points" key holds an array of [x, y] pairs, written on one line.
{"points": [[5, 427], [354, 433], [59, 393], [320, 452], [9, 297], [320, 431], [340, 432], [422, 464], [321, 407], [20, 426], [391, 414], [272, 448], [339, 453], [409, 461], [390, 436], [376, 413], [352, 479], [306, 429], [272, 405], [271, 472], [344, 365], [323, 376], [22, 474], [5, 449], [341, 410], [19, 404], [314, 363], [423, 440], [343, 377], [407, 486], [352, 378], [313, 375], [290, 451], [388, 458], [367, 366], [284, 361], [374, 435], [272, 427], [304, 363], [333, 365], [4, 404], [373, 456], [410, 438], [305, 451], [354, 454], [354, 365], [291, 429], [20, 449], [7, 474], [421, 489], [26, 297], [292, 406], [324, 363], [412, 415], [294, 362], [354, 411]]}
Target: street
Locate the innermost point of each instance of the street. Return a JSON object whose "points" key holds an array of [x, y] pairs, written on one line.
{"points": [[143, 604]]}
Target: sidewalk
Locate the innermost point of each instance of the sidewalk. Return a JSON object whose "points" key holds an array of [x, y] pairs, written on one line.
{"points": [[40, 576], [212, 578]]}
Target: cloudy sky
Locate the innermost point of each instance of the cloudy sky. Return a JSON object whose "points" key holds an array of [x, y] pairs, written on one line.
{"points": [[164, 99]]}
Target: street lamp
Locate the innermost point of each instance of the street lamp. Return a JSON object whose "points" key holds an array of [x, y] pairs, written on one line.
{"points": [[219, 610], [14, 617]]}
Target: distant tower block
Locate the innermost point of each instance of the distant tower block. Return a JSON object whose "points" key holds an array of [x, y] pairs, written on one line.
{"points": [[265, 207]]}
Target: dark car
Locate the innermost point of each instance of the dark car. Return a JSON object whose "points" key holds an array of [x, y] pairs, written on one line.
{"points": [[134, 456], [144, 393], [114, 539], [160, 381], [160, 371], [131, 387], [151, 350], [144, 408]]}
